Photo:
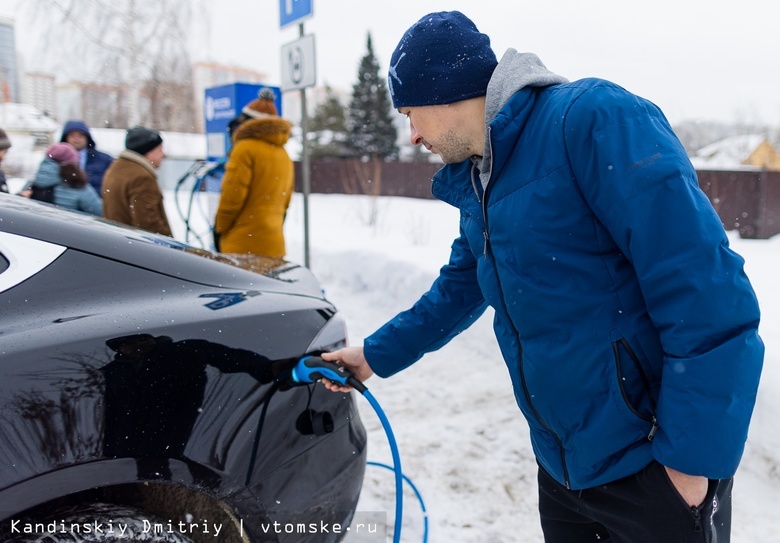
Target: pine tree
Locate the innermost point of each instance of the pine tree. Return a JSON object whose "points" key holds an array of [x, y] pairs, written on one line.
{"points": [[328, 134], [372, 132]]}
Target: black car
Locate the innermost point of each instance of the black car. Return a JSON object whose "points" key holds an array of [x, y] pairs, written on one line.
{"points": [[144, 386]]}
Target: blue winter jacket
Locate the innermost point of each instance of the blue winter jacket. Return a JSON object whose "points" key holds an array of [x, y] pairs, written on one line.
{"points": [[83, 199], [97, 161], [627, 324]]}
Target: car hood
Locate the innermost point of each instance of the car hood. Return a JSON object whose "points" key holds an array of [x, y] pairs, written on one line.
{"points": [[162, 254]]}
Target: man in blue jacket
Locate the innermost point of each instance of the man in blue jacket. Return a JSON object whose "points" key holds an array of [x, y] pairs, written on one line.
{"points": [[627, 324], [92, 161]]}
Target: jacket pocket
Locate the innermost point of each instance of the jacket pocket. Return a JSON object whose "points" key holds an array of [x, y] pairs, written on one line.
{"points": [[634, 385], [700, 514]]}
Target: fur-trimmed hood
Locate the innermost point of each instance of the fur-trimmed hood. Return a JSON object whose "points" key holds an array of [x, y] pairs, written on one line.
{"points": [[274, 130]]}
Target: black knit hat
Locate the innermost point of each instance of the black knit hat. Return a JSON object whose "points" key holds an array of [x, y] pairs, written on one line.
{"points": [[5, 141], [441, 59], [142, 140]]}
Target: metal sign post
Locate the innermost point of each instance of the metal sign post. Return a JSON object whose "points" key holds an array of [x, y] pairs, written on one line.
{"points": [[298, 72], [305, 170]]}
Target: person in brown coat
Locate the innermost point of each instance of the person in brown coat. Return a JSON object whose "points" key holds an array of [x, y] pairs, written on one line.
{"points": [[131, 194], [258, 183]]}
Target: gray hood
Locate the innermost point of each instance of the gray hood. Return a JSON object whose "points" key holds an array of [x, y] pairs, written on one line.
{"points": [[515, 71]]}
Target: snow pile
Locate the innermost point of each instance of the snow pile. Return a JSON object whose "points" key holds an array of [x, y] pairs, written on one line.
{"points": [[16, 117]]}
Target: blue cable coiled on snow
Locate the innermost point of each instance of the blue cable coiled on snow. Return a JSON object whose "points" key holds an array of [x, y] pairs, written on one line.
{"points": [[311, 369]]}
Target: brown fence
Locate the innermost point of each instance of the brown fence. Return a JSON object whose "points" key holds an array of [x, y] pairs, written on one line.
{"points": [[746, 201], [410, 179]]}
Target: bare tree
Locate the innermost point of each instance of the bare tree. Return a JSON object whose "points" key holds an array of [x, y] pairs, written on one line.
{"points": [[133, 45]]}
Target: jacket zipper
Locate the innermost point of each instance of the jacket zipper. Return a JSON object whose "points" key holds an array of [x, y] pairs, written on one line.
{"points": [[526, 392], [481, 201], [645, 384], [484, 200]]}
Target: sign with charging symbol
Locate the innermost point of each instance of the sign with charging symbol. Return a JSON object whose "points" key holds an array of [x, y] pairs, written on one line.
{"points": [[298, 64]]}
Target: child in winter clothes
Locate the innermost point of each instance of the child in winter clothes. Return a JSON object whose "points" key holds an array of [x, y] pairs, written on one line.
{"points": [[60, 180]]}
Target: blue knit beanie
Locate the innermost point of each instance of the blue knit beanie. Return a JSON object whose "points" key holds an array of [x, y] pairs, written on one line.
{"points": [[441, 59]]}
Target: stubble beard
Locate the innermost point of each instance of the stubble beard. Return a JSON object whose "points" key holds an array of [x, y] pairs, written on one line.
{"points": [[453, 148]]}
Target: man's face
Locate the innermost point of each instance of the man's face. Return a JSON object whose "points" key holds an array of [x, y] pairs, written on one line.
{"points": [[155, 156], [436, 128], [77, 139]]}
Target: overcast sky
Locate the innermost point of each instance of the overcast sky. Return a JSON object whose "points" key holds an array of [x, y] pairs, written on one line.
{"points": [[697, 59]]}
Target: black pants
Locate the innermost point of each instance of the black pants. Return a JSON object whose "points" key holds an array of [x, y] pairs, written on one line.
{"points": [[642, 508]]}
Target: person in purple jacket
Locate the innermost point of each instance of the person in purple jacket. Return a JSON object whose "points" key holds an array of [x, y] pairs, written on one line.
{"points": [[627, 324]]}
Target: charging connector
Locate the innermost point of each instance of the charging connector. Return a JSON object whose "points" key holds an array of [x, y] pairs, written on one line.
{"points": [[311, 369]]}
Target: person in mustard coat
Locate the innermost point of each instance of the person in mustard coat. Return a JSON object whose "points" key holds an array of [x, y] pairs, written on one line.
{"points": [[258, 183]]}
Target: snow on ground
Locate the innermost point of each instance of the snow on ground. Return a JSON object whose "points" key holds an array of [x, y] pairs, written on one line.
{"points": [[462, 440]]}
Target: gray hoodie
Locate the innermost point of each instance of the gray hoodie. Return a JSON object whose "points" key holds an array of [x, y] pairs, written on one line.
{"points": [[515, 71]]}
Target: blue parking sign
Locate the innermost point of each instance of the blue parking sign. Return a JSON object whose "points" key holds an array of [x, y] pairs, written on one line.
{"points": [[293, 11]]}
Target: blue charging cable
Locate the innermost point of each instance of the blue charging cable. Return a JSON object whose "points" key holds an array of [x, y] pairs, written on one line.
{"points": [[416, 493], [311, 369]]}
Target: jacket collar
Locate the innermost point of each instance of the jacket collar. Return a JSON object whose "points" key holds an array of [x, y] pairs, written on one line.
{"points": [[516, 74], [453, 182], [504, 131], [132, 156]]}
